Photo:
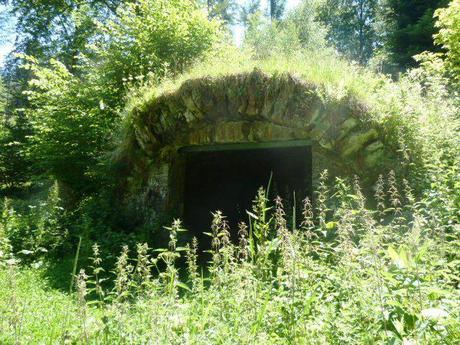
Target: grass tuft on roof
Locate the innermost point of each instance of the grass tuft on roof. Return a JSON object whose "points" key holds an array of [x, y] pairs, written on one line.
{"points": [[420, 119]]}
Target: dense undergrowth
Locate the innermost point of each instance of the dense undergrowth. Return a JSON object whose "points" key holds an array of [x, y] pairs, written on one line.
{"points": [[75, 266], [381, 270], [345, 274]]}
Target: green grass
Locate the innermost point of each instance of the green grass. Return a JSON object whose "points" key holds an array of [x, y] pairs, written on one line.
{"points": [[359, 276], [335, 75], [31, 312], [418, 115]]}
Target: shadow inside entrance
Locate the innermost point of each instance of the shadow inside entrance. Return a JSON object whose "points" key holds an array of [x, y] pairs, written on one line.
{"points": [[228, 180]]}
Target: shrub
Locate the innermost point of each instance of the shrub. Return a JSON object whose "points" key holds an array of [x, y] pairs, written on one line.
{"points": [[75, 110], [352, 276], [33, 229]]}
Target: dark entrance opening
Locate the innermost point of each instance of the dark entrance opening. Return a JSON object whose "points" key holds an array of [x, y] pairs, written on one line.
{"points": [[227, 178]]}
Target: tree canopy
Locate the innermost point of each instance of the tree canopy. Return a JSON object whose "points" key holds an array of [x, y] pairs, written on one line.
{"points": [[75, 110], [352, 26], [413, 27]]}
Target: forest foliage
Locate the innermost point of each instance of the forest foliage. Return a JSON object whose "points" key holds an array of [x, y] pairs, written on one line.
{"points": [[382, 269], [109, 48]]}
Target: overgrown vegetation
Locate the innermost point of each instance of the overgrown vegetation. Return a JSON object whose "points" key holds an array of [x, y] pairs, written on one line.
{"points": [[74, 111], [419, 113], [346, 274], [79, 266]]}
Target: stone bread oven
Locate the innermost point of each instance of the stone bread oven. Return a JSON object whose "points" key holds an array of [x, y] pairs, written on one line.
{"points": [[185, 141]]}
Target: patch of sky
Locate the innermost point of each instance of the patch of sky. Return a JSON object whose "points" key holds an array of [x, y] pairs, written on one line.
{"points": [[7, 33]]}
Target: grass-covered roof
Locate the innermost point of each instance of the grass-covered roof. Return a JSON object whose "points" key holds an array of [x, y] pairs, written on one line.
{"points": [[408, 121]]}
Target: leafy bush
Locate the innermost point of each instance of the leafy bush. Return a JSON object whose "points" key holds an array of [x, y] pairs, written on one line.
{"points": [[445, 64], [449, 36], [151, 37], [345, 274], [75, 111], [71, 124], [32, 229]]}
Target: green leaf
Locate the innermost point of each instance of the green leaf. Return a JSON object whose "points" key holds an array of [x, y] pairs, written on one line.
{"points": [[183, 286], [331, 225], [400, 259], [161, 250], [252, 215]]}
